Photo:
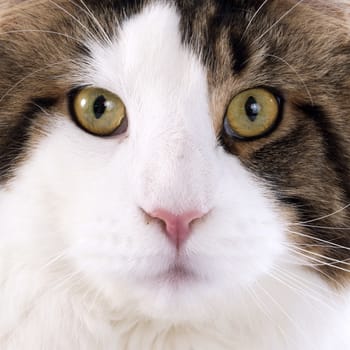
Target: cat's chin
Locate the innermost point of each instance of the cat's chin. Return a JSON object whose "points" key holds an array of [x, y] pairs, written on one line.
{"points": [[173, 286], [178, 297], [178, 294], [176, 275], [187, 298], [182, 294]]}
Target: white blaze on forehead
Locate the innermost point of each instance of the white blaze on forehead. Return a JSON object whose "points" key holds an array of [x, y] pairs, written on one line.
{"points": [[148, 59], [164, 87]]}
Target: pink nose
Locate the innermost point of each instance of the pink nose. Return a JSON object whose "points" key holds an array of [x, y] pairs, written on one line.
{"points": [[177, 227]]}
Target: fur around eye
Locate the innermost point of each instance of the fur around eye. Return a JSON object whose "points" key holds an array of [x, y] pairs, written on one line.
{"points": [[98, 111], [252, 114]]}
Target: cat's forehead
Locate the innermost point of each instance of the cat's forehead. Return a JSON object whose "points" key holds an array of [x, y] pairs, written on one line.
{"points": [[150, 68], [147, 47], [241, 44]]}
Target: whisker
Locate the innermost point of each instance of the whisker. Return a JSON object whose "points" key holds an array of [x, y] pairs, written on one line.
{"points": [[303, 290], [36, 299], [335, 245], [323, 217], [324, 227], [260, 304], [316, 285], [92, 36], [304, 259], [320, 262], [42, 109], [252, 19], [295, 260], [90, 14], [278, 305], [296, 73], [278, 21], [314, 245], [328, 277], [343, 262], [312, 286]]}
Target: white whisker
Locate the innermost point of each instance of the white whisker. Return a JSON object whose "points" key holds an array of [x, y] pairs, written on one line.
{"points": [[335, 245], [336, 261], [296, 73], [313, 284], [92, 36], [278, 21], [278, 305], [324, 227], [252, 19], [307, 284], [323, 217], [320, 262], [259, 303], [94, 19], [302, 290]]}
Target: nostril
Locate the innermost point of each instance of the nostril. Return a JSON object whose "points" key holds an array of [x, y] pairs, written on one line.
{"points": [[176, 226]]}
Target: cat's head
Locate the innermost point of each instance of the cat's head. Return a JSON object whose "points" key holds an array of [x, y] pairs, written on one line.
{"points": [[174, 154]]}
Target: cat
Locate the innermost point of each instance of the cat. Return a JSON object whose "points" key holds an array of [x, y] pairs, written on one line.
{"points": [[174, 175]]}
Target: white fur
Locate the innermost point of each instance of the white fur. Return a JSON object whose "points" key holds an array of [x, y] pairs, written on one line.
{"points": [[79, 264]]}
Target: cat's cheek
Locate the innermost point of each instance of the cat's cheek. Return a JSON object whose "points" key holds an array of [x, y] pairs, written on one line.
{"points": [[245, 235]]}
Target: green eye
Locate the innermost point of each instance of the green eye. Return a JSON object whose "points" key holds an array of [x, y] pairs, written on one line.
{"points": [[98, 111], [252, 114]]}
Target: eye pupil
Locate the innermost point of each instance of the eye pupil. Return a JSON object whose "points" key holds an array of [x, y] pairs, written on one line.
{"points": [[252, 108], [99, 106]]}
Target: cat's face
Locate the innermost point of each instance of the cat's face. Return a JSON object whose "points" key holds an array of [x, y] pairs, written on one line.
{"points": [[106, 205]]}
